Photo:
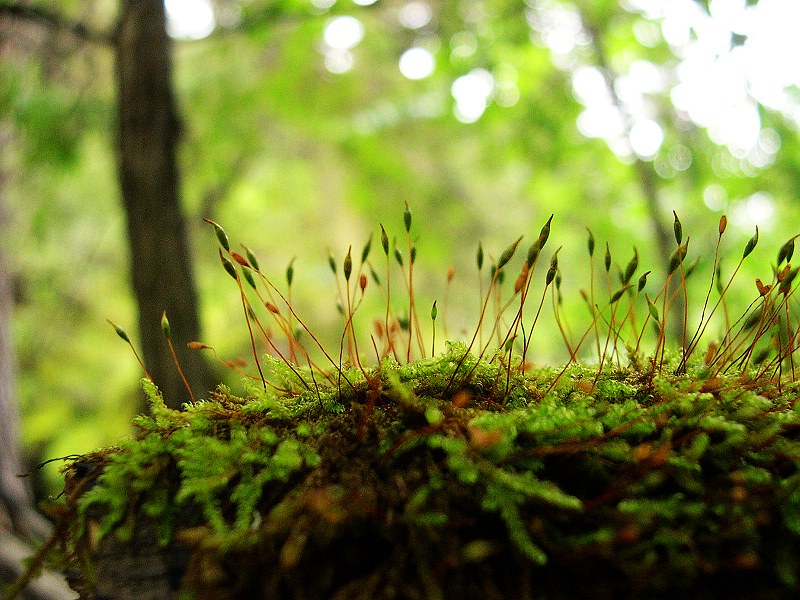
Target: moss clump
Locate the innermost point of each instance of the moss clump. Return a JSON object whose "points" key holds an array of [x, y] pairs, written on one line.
{"points": [[468, 475], [404, 485]]}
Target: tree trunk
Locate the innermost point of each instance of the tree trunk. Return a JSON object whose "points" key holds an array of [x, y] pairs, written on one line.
{"points": [[16, 501], [148, 135], [19, 521]]}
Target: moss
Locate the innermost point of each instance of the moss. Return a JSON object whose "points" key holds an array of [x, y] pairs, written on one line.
{"points": [[471, 474], [627, 490]]}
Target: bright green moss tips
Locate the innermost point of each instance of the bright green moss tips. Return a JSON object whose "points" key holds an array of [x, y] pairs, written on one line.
{"points": [[304, 429], [615, 390], [433, 415]]}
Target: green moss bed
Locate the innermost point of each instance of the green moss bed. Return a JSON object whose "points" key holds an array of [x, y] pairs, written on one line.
{"points": [[417, 481]]}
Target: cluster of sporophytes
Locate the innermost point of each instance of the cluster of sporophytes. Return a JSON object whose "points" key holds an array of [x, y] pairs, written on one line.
{"points": [[465, 472]]}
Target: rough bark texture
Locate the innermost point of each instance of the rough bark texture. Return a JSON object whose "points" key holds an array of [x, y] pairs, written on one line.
{"points": [[137, 570], [148, 135]]}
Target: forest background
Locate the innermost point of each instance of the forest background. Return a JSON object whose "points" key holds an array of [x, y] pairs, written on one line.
{"points": [[301, 125]]}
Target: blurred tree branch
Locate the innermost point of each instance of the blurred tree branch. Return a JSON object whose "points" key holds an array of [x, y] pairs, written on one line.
{"points": [[56, 21], [644, 172]]}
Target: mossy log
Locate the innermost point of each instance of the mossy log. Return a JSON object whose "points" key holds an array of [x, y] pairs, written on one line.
{"points": [[412, 481]]}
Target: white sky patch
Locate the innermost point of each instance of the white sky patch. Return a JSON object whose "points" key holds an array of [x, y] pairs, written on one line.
{"points": [[731, 59], [757, 209], [339, 62], [323, 5], [415, 15], [715, 197], [472, 93], [588, 84], [646, 137], [720, 83], [189, 19], [559, 25], [340, 36], [648, 77], [343, 33], [463, 45], [417, 63], [601, 121]]}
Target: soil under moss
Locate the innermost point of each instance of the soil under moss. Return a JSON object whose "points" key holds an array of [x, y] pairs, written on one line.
{"points": [[416, 482]]}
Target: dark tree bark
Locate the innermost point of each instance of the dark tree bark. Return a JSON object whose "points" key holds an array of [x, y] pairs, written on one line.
{"points": [[148, 136]]}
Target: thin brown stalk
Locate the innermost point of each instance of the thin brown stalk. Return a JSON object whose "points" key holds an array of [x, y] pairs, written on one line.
{"points": [[121, 333], [166, 328], [232, 364], [502, 261], [721, 301], [268, 284], [723, 223], [527, 341], [451, 273]]}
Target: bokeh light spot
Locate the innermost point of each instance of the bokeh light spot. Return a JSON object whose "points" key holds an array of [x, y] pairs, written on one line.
{"points": [[417, 63], [415, 15], [189, 19], [472, 93], [343, 33]]}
